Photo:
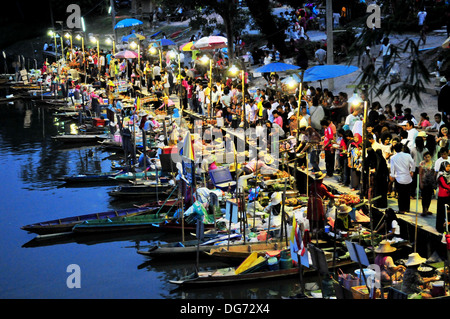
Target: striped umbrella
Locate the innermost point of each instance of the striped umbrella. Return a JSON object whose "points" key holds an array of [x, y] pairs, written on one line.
{"points": [[188, 46], [188, 147]]}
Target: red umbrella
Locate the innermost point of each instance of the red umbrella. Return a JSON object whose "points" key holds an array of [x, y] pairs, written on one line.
{"points": [[211, 42], [126, 55]]}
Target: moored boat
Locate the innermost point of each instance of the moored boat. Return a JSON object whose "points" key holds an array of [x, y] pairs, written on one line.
{"points": [[90, 178], [179, 249], [80, 138], [62, 225], [127, 223], [127, 191]]}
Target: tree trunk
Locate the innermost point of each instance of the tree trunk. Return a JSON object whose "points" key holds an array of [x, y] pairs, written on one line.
{"points": [[261, 12]]}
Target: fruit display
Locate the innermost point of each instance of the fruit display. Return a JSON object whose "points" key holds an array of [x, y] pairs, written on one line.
{"points": [[349, 199]]}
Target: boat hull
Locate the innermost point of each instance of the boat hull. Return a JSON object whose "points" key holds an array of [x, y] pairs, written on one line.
{"points": [[66, 224]]}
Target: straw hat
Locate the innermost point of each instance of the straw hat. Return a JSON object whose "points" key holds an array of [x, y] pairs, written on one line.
{"points": [[268, 159], [319, 175], [344, 209], [142, 113], [414, 259], [385, 247], [422, 134], [275, 199]]}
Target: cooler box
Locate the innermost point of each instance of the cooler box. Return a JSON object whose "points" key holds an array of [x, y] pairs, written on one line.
{"points": [[221, 178], [169, 150], [98, 121]]}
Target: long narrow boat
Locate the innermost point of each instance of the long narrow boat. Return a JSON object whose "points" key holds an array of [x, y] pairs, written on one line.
{"points": [[148, 222], [226, 276], [187, 248], [127, 191], [238, 253], [63, 225], [91, 178], [80, 138], [139, 175]]}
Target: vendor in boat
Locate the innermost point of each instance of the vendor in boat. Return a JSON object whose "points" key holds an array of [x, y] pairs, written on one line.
{"points": [[317, 193], [259, 164], [390, 272], [274, 208], [343, 221], [144, 160], [413, 282]]}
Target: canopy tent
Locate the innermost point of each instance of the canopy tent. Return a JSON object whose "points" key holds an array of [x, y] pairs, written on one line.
{"points": [[127, 23]]}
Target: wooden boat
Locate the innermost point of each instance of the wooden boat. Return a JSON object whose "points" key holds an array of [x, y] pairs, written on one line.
{"points": [[127, 191], [90, 178], [79, 138], [139, 176], [238, 253], [147, 221], [226, 276], [62, 225], [190, 247]]}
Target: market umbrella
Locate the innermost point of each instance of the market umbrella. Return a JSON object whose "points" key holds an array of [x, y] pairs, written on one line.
{"points": [[276, 67], [446, 44], [211, 42], [165, 42], [323, 72], [127, 23], [133, 36], [187, 46], [188, 147], [127, 54]]}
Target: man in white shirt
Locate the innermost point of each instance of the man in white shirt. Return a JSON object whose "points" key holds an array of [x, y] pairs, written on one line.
{"points": [[320, 55], [251, 111], [401, 172], [437, 122], [421, 16], [157, 72], [351, 119], [273, 107], [443, 157], [412, 133]]}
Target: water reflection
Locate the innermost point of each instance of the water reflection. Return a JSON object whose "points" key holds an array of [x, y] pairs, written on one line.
{"points": [[34, 162]]}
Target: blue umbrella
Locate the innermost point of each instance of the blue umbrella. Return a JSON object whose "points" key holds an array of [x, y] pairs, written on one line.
{"points": [[165, 42], [276, 67], [127, 23], [323, 72]]}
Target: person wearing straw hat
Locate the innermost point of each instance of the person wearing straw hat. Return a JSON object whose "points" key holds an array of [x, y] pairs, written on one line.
{"points": [[343, 221], [259, 164], [413, 282], [389, 270], [315, 209]]}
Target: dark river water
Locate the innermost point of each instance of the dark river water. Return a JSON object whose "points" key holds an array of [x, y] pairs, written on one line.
{"points": [[109, 266]]}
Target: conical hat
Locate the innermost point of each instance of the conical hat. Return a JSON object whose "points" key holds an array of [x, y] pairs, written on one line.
{"points": [[385, 247], [414, 259]]}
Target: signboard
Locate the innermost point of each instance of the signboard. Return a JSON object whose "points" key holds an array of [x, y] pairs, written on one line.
{"points": [[121, 86], [187, 170]]}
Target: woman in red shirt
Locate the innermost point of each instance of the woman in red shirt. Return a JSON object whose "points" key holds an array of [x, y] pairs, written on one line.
{"points": [[315, 210], [443, 180]]}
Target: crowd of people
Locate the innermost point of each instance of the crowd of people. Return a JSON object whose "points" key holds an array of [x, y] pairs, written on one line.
{"points": [[405, 156]]}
